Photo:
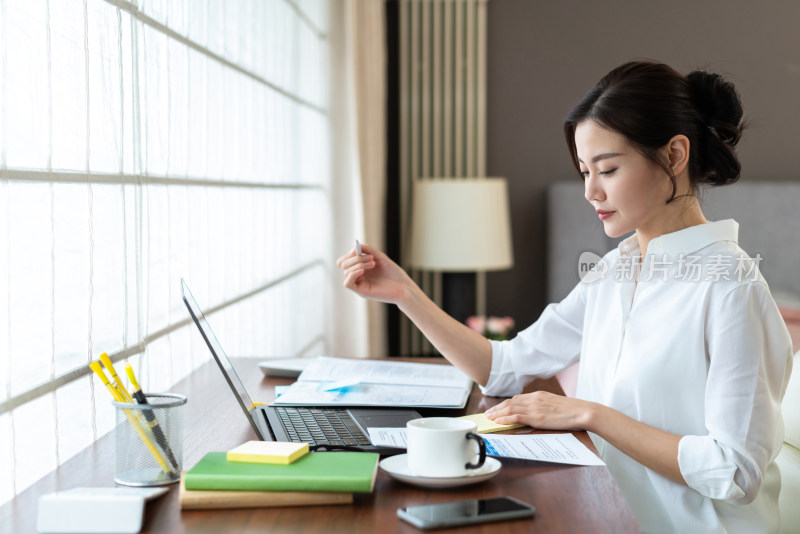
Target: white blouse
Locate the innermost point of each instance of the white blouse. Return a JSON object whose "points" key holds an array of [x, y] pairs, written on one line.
{"points": [[697, 348]]}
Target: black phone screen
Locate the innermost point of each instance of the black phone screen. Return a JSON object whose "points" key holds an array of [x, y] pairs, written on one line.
{"points": [[469, 511]]}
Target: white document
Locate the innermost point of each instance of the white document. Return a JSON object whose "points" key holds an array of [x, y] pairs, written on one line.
{"points": [[388, 437], [349, 382], [315, 394], [556, 448]]}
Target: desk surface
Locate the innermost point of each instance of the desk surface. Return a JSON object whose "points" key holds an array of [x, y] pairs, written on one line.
{"points": [[567, 498]]}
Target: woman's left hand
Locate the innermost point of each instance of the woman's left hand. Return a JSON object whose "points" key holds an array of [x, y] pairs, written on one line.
{"points": [[541, 409], [648, 445]]}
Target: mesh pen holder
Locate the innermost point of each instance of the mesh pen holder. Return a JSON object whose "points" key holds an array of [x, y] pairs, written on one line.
{"points": [[149, 440]]}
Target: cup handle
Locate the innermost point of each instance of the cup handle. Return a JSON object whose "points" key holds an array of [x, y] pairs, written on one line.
{"points": [[482, 449]]}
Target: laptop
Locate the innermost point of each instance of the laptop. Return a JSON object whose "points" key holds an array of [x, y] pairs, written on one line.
{"points": [[323, 428]]}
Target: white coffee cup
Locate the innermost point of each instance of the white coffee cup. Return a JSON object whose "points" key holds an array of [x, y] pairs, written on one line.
{"points": [[443, 447]]}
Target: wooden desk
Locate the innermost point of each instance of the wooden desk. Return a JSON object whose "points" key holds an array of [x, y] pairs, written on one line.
{"points": [[567, 498]]}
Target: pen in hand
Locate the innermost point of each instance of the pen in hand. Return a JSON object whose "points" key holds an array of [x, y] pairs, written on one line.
{"points": [[150, 416], [358, 248]]}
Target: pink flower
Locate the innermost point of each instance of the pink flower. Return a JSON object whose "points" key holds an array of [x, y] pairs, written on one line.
{"points": [[477, 323], [498, 328], [499, 325]]}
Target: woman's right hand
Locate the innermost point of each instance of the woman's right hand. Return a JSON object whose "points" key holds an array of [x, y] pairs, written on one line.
{"points": [[374, 276]]}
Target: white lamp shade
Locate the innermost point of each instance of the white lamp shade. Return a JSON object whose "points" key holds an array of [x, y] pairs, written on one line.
{"points": [[460, 225]]}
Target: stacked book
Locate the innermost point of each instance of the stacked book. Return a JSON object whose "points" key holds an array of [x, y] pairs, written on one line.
{"points": [[264, 474]]}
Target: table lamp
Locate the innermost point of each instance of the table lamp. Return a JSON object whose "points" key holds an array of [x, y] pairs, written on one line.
{"points": [[461, 225]]}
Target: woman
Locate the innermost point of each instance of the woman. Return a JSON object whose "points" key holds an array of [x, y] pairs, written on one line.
{"points": [[684, 357]]}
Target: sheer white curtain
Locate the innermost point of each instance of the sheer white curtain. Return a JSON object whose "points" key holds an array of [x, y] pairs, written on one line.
{"points": [[144, 142], [368, 49], [360, 79]]}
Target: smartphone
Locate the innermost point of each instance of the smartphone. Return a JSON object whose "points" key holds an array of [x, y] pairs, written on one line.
{"points": [[469, 512]]}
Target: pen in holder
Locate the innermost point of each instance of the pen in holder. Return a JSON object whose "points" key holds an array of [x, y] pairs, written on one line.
{"points": [[149, 440]]}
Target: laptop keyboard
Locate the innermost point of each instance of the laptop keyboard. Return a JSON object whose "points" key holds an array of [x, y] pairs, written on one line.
{"points": [[317, 426]]}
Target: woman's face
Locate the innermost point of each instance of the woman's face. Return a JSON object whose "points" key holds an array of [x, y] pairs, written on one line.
{"points": [[627, 190]]}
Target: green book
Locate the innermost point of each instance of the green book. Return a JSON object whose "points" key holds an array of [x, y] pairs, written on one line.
{"points": [[317, 471]]}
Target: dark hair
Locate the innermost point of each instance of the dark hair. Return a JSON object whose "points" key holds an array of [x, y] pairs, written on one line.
{"points": [[649, 103]]}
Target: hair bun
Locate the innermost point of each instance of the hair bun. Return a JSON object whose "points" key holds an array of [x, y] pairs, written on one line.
{"points": [[718, 103]]}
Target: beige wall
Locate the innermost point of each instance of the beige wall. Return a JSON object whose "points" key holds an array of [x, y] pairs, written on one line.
{"points": [[544, 55]]}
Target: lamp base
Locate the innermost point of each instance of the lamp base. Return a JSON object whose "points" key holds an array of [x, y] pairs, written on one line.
{"points": [[459, 295]]}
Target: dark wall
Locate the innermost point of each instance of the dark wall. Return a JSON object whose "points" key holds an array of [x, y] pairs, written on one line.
{"points": [[543, 56]]}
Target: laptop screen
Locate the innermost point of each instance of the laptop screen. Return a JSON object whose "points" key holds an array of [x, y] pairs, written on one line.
{"points": [[216, 350]]}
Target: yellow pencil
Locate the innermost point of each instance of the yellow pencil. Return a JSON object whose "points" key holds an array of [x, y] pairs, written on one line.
{"points": [[120, 387], [95, 366]]}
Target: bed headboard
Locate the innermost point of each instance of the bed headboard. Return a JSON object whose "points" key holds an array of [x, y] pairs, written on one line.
{"points": [[769, 224]]}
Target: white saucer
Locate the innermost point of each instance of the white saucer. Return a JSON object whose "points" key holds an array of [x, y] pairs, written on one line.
{"points": [[397, 467]]}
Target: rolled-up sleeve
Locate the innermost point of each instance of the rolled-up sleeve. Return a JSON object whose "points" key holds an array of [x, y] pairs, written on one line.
{"points": [[749, 362], [549, 345]]}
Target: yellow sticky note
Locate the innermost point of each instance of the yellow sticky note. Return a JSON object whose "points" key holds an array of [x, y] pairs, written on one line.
{"points": [[267, 452], [487, 426]]}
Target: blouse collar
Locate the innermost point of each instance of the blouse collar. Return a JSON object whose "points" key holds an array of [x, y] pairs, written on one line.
{"points": [[687, 240]]}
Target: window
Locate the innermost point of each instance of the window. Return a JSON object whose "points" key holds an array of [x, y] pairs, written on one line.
{"points": [[144, 142]]}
